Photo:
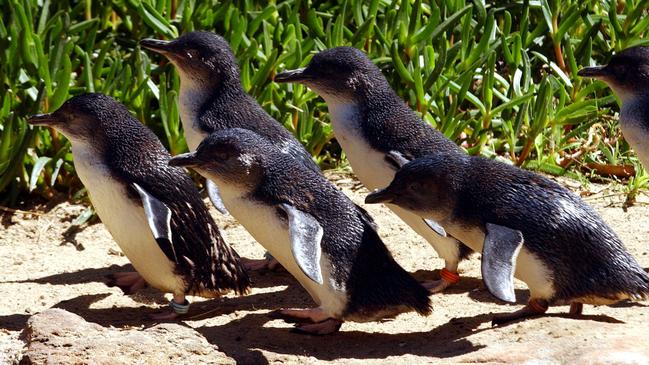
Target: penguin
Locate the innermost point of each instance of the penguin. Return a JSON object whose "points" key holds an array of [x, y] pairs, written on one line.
{"points": [[153, 210], [328, 243], [212, 98], [526, 226], [628, 75], [370, 120]]}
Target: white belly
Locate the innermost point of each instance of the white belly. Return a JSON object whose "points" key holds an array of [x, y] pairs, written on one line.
{"points": [[375, 172], [529, 269], [271, 232], [126, 222], [636, 135]]}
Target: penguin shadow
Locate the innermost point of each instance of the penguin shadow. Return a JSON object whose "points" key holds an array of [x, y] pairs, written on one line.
{"points": [[522, 297], [79, 305], [14, 322], [473, 286], [89, 275], [139, 316], [242, 339], [628, 304], [482, 294], [270, 278]]}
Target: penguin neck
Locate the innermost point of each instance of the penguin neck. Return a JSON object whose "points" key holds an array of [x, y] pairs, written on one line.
{"points": [[196, 97], [634, 123], [368, 98]]}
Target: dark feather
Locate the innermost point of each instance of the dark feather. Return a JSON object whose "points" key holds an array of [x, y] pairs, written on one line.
{"points": [[135, 155]]}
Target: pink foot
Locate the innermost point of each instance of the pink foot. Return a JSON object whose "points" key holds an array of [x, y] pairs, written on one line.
{"points": [[267, 263], [576, 309], [313, 315], [435, 286], [129, 281], [448, 278], [178, 306], [535, 307], [165, 315], [326, 327]]}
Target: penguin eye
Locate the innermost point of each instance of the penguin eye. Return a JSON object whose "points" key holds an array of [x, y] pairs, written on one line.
{"points": [[192, 54], [222, 156], [415, 186]]}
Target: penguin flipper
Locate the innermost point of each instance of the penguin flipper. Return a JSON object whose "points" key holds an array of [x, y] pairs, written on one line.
{"points": [[396, 159], [215, 197], [435, 227], [158, 215], [306, 234], [499, 254]]}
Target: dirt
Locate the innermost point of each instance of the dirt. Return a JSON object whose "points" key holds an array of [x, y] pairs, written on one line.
{"points": [[40, 269]]}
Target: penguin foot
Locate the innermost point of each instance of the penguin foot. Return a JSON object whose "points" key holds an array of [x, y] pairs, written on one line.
{"points": [[177, 307], [535, 307], [129, 281], [313, 315], [326, 327], [448, 278], [164, 316], [435, 286], [268, 263], [576, 309]]}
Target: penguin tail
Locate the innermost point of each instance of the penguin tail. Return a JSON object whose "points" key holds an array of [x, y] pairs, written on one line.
{"points": [[641, 290], [226, 273], [634, 287], [380, 287], [388, 291], [412, 294]]}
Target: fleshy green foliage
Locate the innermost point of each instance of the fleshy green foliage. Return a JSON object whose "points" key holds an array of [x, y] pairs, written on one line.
{"points": [[498, 79]]}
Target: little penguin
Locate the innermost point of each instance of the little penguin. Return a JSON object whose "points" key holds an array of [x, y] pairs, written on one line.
{"points": [[212, 98], [526, 226], [153, 210], [328, 243], [628, 75], [370, 120]]}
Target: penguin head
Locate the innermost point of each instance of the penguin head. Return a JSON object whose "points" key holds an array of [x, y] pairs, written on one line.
{"points": [[203, 59], [83, 117], [427, 186], [233, 157], [627, 73], [337, 74]]}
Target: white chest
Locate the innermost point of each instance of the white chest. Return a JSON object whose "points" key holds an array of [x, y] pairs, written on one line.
{"points": [[634, 130], [368, 164], [271, 232], [375, 172], [126, 222]]}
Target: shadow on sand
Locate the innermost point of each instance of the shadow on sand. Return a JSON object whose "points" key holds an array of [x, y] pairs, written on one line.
{"points": [[247, 336]]}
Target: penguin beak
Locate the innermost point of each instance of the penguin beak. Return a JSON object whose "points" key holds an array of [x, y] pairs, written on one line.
{"points": [[297, 75], [156, 45], [45, 120], [379, 196], [184, 160], [596, 72]]}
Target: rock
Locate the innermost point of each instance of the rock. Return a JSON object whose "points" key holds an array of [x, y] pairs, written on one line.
{"points": [[56, 336], [628, 349]]}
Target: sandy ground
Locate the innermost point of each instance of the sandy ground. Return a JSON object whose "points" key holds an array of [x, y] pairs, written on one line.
{"points": [[40, 268]]}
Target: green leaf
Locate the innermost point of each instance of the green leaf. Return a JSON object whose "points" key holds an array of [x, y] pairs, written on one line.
{"points": [[36, 171]]}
